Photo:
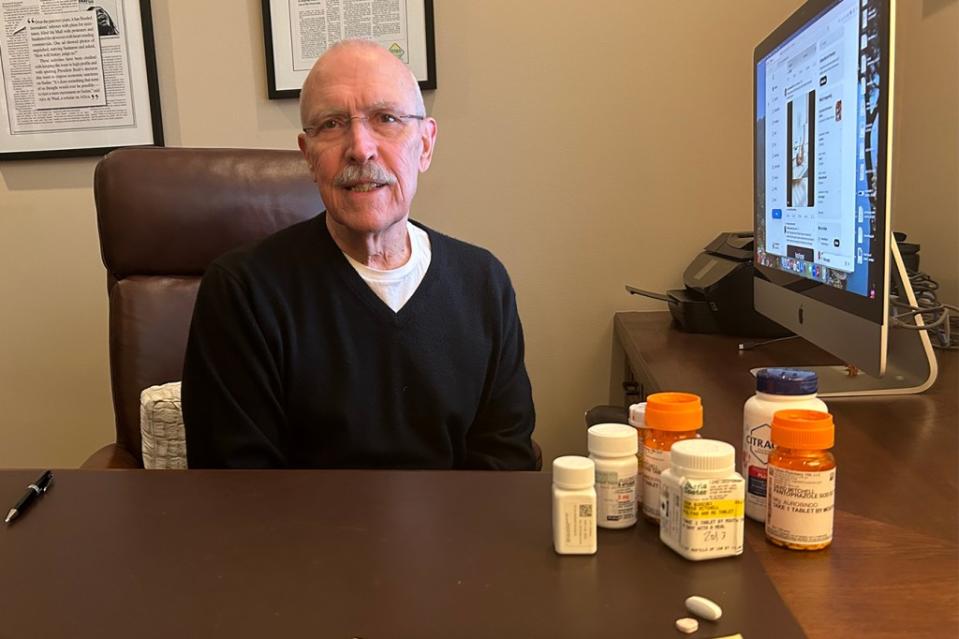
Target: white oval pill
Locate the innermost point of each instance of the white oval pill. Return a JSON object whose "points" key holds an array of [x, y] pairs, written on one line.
{"points": [[687, 625], [705, 608]]}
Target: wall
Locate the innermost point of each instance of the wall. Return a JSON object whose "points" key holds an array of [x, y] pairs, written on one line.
{"points": [[926, 159], [589, 145]]}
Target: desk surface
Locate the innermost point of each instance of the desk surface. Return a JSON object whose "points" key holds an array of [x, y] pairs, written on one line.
{"points": [[893, 568], [342, 554]]}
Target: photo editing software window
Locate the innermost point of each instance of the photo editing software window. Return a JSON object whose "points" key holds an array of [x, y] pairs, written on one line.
{"points": [[817, 129]]}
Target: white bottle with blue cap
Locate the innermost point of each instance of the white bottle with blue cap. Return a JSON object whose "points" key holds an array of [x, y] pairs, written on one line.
{"points": [[776, 389]]}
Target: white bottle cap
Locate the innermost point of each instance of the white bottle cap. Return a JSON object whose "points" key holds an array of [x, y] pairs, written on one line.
{"points": [[573, 472], [612, 440], [637, 415], [702, 458]]}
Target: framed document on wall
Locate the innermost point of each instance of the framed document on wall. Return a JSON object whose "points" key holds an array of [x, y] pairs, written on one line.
{"points": [[78, 78], [297, 32]]}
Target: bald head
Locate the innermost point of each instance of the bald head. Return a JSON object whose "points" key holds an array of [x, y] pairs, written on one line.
{"points": [[352, 58]]}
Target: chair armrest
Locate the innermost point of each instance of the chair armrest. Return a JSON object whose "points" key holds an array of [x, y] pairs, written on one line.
{"points": [[111, 456]]}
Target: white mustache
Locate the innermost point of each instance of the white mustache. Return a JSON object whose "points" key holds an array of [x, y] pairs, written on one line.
{"points": [[353, 174]]}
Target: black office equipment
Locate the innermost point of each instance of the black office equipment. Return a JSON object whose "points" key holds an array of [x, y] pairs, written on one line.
{"points": [[718, 297]]}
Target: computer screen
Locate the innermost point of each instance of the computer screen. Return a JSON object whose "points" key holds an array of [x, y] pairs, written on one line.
{"points": [[823, 141], [820, 145]]}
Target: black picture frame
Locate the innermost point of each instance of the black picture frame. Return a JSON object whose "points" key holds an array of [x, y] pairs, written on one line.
{"points": [[284, 80], [142, 95]]}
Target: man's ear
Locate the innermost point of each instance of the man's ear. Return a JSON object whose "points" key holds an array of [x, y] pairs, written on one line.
{"points": [[301, 142], [428, 141]]}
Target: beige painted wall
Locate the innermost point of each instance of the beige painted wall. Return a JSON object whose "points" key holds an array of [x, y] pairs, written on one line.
{"points": [[926, 160], [603, 145]]}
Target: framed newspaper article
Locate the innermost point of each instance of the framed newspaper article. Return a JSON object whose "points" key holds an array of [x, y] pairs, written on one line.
{"points": [[79, 78], [297, 32]]}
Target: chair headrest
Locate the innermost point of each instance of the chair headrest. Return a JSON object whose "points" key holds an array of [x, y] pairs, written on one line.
{"points": [[172, 211]]}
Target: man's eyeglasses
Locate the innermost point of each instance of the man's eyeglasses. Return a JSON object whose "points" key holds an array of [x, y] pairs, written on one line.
{"points": [[384, 124]]}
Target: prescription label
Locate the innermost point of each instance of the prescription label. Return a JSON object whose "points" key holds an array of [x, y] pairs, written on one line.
{"points": [[800, 505], [616, 496], [576, 525], [655, 461], [703, 518]]}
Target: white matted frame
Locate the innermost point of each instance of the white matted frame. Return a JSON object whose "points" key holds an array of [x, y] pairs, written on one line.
{"points": [[77, 78], [297, 32]]}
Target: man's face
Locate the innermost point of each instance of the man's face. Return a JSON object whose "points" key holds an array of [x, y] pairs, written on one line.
{"points": [[367, 179]]}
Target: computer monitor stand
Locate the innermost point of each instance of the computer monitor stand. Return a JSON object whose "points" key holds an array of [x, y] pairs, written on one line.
{"points": [[910, 361]]}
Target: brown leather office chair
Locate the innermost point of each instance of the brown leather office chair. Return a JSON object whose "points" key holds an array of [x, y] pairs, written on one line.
{"points": [[163, 215]]}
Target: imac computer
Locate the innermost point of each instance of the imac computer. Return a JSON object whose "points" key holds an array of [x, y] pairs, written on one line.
{"points": [[825, 261]]}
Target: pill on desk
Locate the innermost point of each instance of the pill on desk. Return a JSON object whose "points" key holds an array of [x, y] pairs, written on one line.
{"points": [[687, 625], [705, 608]]}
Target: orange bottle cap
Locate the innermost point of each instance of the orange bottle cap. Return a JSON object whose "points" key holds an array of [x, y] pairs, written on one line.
{"points": [[674, 411], [803, 429]]}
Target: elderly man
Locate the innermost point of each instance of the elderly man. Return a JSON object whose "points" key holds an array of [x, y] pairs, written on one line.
{"points": [[358, 339]]}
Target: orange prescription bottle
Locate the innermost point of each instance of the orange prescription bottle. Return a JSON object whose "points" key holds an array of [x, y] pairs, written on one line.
{"points": [[801, 489], [670, 417]]}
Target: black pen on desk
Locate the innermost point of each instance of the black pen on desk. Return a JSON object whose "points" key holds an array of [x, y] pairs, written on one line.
{"points": [[33, 491]]}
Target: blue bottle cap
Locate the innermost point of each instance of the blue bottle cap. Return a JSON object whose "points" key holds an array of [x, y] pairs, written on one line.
{"points": [[786, 381]]}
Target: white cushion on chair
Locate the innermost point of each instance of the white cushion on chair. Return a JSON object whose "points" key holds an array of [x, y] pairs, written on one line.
{"points": [[161, 427]]}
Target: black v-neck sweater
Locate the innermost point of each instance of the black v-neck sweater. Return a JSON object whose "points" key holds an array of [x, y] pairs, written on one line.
{"points": [[293, 362]]}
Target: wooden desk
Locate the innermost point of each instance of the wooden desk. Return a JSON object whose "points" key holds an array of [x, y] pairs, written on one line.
{"points": [[342, 554], [893, 568]]}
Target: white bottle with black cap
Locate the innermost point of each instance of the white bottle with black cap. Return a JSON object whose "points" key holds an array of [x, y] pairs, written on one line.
{"points": [[776, 389], [574, 506]]}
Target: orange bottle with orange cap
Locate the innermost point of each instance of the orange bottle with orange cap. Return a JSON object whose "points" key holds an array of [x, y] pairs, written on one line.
{"points": [[670, 417], [801, 490]]}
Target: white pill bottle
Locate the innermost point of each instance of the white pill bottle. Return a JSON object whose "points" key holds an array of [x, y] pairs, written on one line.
{"points": [[701, 500], [776, 389], [613, 448], [574, 505], [637, 416]]}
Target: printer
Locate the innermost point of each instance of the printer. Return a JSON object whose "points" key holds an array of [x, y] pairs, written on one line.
{"points": [[718, 297]]}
